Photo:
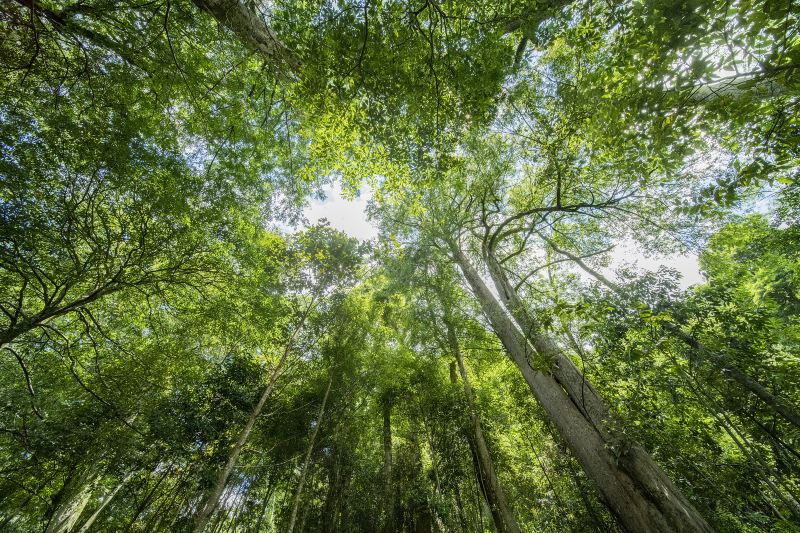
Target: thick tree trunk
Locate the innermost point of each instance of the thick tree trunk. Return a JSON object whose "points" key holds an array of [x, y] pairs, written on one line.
{"points": [[638, 493], [503, 517], [67, 514], [249, 26], [581, 391], [8, 335], [211, 501], [307, 460], [634, 460], [55, 309], [73, 500]]}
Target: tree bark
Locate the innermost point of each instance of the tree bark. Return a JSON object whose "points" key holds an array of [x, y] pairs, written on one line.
{"points": [[22, 325], [307, 460], [67, 514], [581, 391], [73, 500], [250, 28], [636, 491], [503, 517]]}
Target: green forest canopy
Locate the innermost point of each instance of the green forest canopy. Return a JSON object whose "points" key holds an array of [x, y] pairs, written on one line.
{"points": [[173, 360]]}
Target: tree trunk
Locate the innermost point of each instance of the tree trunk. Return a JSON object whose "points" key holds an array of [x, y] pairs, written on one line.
{"points": [[580, 391], [636, 491], [73, 500], [388, 500], [106, 500], [144, 504], [495, 496], [265, 503], [462, 517], [250, 28], [67, 514], [333, 494], [307, 460], [165, 508], [212, 500]]}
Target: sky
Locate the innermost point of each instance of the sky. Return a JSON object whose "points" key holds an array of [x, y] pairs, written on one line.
{"points": [[349, 216], [686, 264]]}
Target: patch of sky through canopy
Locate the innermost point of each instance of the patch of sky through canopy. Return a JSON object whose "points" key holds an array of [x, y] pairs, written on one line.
{"points": [[350, 217]]}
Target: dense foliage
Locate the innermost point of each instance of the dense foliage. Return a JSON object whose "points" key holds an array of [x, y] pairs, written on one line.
{"points": [[181, 351]]}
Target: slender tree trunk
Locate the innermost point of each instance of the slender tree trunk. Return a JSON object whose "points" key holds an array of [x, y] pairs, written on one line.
{"points": [[106, 500], [334, 493], [639, 494], [165, 507], [221, 516], [146, 501], [307, 460], [262, 514], [503, 517], [212, 499], [388, 500], [340, 513], [437, 485], [462, 517], [753, 455]]}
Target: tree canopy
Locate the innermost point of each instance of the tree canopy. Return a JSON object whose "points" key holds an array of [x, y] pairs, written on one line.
{"points": [[181, 350]]}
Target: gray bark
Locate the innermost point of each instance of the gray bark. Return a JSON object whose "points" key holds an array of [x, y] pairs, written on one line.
{"points": [[634, 488], [106, 500], [250, 28], [503, 517], [73, 500]]}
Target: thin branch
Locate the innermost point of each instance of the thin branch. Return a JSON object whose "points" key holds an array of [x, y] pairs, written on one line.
{"points": [[27, 380]]}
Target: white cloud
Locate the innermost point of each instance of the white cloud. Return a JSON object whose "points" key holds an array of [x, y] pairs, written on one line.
{"points": [[631, 253], [348, 216]]}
